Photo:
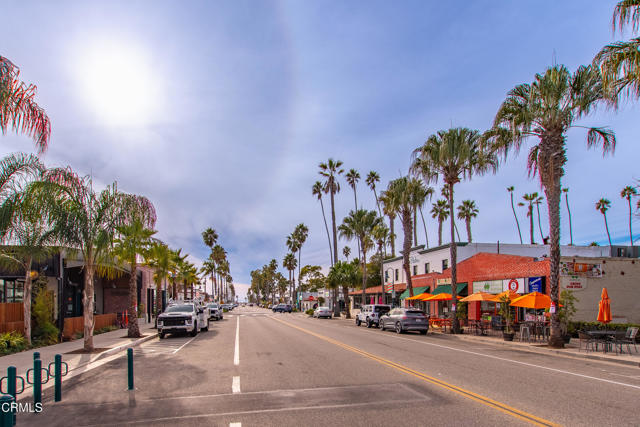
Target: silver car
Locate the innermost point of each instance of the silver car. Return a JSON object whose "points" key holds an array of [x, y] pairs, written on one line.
{"points": [[405, 319], [322, 312]]}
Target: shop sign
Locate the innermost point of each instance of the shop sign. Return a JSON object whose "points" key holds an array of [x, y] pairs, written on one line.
{"points": [[535, 284], [515, 285], [580, 269], [446, 281], [489, 286], [573, 283]]}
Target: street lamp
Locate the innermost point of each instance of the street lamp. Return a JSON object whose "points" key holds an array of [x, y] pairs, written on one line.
{"points": [[393, 286]]}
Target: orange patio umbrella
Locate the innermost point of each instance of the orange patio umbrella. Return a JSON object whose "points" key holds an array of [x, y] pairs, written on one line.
{"points": [[440, 297], [532, 300], [479, 296], [419, 296], [512, 295], [604, 307]]}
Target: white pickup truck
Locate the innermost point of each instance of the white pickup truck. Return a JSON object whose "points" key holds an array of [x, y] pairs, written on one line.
{"points": [[182, 317]]}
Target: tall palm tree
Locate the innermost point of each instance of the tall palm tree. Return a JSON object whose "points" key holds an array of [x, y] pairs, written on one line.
{"points": [[379, 235], [352, 177], [566, 199], [301, 232], [293, 244], [428, 194], [546, 110], [218, 255], [455, 154], [161, 259], [343, 274], [372, 179], [440, 211], [418, 200], [466, 211], [210, 237], [18, 110], [538, 201], [346, 251], [330, 171], [530, 199], [510, 190], [445, 194], [389, 207], [618, 62], [316, 190], [404, 191], [359, 225], [16, 171], [626, 193], [290, 263], [603, 206], [133, 239]]}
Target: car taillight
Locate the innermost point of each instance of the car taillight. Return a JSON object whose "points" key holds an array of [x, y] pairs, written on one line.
{"points": [[405, 318]]}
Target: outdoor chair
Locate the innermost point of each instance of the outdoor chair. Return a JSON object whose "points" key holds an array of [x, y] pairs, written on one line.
{"points": [[588, 341], [628, 339], [525, 332]]}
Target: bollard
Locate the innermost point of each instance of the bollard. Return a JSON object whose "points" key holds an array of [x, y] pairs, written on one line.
{"points": [[36, 355], [7, 418], [58, 378], [37, 381], [130, 367]]}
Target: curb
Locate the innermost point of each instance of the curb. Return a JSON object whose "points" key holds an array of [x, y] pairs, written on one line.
{"points": [[122, 347]]}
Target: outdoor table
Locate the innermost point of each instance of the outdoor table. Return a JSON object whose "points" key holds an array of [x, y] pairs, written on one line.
{"points": [[480, 327], [606, 337]]}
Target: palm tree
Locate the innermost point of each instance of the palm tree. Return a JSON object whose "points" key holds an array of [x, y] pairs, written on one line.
{"points": [[428, 194], [343, 274], [218, 255], [455, 154], [546, 110], [389, 209], [18, 109], [133, 239], [510, 190], [16, 170], [530, 199], [290, 263], [603, 206], [538, 201], [379, 235], [466, 211], [352, 177], [626, 193], [418, 200], [293, 244], [440, 211], [316, 190], [330, 170], [359, 225], [618, 62], [404, 191], [372, 179], [566, 199], [161, 259], [210, 237], [346, 251], [301, 232], [445, 194]]}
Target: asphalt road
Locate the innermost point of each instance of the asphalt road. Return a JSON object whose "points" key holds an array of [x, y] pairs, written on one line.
{"points": [[264, 369]]}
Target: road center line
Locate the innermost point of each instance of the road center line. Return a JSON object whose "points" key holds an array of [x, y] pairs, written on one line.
{"points": [[506, 409], [235, 424], [236, 353], [235, 386]]}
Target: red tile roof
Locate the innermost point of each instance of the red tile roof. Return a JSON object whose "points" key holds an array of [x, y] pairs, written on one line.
{"points": [[487, 266], [400, 287]]}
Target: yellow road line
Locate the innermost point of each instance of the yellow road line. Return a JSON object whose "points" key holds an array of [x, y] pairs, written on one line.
{"points": [[466, 393]]}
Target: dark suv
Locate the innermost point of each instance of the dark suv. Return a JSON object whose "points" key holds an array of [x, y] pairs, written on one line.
{"points": [[282, 308]]}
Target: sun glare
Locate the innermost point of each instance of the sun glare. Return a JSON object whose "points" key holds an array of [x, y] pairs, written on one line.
{"points": [[119, 85]]}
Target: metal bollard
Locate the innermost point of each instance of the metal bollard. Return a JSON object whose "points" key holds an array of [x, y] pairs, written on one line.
{"points": [[36, 355], [36, 379], [7, 416], [130, 367], [58, 378]]}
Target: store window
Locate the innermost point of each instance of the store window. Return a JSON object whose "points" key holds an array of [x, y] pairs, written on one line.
{"points": [[386, 276], [11, 290], [426, 268], [415, 270], [396, 274], [445, 264]]}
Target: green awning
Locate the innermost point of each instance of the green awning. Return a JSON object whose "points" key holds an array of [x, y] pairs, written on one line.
{"points": [[447, 289], [416, 291]]}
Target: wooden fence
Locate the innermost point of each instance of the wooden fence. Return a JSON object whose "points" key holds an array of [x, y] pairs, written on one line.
{"points": [[11, 317], [73, 325]]}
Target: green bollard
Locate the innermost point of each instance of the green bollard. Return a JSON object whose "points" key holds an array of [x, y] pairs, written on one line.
{"points": [[36, 355], [6, 412], [37, 381], [11, 388], [58, 378], [130, 367]]}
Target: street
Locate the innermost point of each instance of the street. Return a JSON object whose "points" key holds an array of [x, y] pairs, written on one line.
{"points": [[256, 367]]}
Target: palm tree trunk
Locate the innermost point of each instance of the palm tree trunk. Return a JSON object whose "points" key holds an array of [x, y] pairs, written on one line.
{"points": [[566, 198], [87, 305], [424, 224], [453, 252], [415, 227], [630, 231], [468, 221], [539, 223], [174, 289], [327, 228], [347, 302], [439, 232], [377, 202], [552, 191], [392, 235], [26, 300], [406, 248], [606, 225], [364, 271], [134, 330], [333, 223], [516, 217], [184, 289], [158, 298], [531, 224], [455, 226]]}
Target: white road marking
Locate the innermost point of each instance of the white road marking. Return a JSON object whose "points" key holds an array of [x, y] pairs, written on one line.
{"points": [[235, 424], [236, 353], [235, 387], [509, 360], [180, 348]]}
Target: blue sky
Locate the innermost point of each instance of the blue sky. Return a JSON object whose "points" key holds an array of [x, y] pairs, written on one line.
{"points": [[220, 112]]}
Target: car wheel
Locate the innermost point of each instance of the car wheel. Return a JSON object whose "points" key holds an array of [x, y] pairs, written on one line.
{"points": [[195, 329], [398, 328], [369, 323], [161, 335], [381, 325], [358, 322]]}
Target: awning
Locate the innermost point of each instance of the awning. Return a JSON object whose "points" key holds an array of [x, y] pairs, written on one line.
{"points": [[447, 289], [416, 291]]}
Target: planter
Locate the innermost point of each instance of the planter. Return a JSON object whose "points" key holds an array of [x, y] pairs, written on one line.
{"points": [[566, 338], [508, 336]]}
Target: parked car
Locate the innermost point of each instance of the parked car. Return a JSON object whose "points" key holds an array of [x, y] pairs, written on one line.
{"points": [[282, 308], [322, 312], [182, 318], [370, 314], [405, 319], [215, 311]]}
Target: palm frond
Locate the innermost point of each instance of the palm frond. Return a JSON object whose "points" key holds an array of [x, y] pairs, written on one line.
{"points": [[600, 136]]}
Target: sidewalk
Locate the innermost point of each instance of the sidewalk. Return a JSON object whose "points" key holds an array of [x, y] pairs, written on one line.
{"points": [[114, 342]]}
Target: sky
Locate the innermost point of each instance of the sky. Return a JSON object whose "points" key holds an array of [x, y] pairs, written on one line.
{"points": [[220, 111]]}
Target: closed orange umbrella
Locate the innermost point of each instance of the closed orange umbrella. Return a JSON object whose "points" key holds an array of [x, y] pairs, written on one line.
{"points": [[604, 307], [532, 300], [478, 296]]}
